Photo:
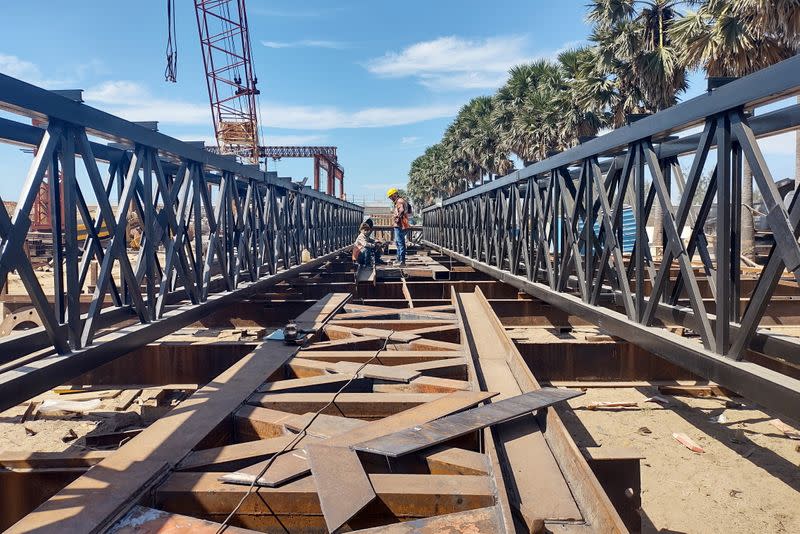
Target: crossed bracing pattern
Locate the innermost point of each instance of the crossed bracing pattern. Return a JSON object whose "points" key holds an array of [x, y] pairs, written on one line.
{"points": [[540, 228], [201, 232]]}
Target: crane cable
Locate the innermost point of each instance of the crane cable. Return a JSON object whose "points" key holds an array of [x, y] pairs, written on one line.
{"points": [[171, 72]]}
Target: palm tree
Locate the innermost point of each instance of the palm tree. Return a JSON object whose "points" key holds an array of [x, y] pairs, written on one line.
{"points": [[477, 141], [735, 39], [637, 51], [581, 118], [515, 113]]}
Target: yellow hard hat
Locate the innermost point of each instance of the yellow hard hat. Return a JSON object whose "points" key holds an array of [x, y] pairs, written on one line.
{"points": [[391, 192]]}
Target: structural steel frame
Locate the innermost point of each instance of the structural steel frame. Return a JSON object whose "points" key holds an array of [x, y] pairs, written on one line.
{"points": [[536, 230], [257, 224]]}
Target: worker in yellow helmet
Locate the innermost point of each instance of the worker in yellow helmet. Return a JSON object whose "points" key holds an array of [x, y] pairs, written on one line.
{"points": [[402, 209]]}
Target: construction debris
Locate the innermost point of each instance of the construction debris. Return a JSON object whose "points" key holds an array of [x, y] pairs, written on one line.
{"points": [[51, 407], [788, 431], [610, 404], [687, 442]]}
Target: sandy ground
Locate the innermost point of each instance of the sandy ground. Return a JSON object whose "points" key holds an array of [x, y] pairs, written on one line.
{"points": [[748, 479]]}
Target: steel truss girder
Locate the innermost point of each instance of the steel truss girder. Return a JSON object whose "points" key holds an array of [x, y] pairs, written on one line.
{"points": [[537, 226], [769, 388], [247, 225]]}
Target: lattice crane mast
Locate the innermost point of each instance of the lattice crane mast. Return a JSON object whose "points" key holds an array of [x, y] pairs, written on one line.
{"points": [[232, 91], [232, 85]]}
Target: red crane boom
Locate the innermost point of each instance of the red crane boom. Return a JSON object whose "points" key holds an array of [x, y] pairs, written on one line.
{"points": [[232, 90], [227, 57]]}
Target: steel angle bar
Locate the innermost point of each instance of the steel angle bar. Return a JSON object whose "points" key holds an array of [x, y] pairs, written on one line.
{"points": [[452, 426]]}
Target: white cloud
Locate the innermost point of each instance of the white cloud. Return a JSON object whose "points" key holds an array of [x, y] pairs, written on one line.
{"points": [[305, 43], [782, 144], [456, 64], [326, 118], [26, 71], [19, 68], [133, 101], [451, 62], [410, 140]]}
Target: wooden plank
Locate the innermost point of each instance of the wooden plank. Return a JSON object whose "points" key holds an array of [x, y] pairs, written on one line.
{"points": [[425, 435], [125, 399], [142, 520], [342, 485], [370, 370], [138, 464], [358, 405], [405, 496], [406, 293]]}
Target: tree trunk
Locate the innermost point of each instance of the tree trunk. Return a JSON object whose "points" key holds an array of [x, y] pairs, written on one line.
{"points": [[797, 155], [658, 229], [748, 231]]}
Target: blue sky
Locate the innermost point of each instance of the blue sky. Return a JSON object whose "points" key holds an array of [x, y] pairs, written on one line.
{"points": [[380, 80]]}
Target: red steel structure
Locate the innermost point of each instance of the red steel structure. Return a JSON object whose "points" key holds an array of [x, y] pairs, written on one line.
{"points": [[232, 85], [325, 158], [227, 57]]}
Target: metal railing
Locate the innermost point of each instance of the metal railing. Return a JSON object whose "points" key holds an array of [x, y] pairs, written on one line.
{"points": [[209, 224], [554, 229]]}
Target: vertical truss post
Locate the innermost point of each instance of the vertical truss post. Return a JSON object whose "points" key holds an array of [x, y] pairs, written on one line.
{"points": [[723, 245]]}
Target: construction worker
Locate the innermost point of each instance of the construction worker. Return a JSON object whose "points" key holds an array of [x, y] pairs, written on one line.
{"points": [[379, 249], [365, 247], [400, 218]]}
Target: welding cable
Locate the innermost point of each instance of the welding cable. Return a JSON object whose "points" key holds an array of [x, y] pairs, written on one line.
{"points": [[290, 446]]}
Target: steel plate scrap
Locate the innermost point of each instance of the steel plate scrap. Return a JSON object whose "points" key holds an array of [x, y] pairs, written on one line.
{"points": [[421, 436]]}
